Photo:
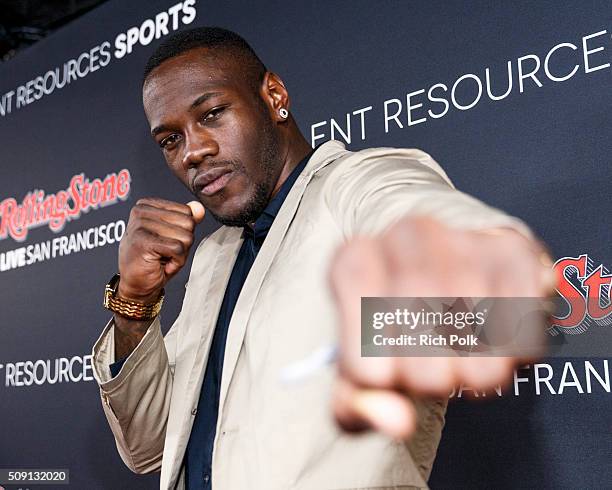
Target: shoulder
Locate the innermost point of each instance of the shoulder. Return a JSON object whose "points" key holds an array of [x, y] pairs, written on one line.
{"points": [[383, 162], [355, 176]]}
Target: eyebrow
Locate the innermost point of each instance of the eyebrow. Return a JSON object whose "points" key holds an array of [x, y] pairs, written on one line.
{"points": [[203, 98], [200, 100]]}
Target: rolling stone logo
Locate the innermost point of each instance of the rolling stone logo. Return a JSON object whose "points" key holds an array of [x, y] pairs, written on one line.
{"points": [[585, 290], [54, 210]]}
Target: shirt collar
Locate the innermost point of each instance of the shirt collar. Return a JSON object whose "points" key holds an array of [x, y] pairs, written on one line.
{"points": [[266, 218]]}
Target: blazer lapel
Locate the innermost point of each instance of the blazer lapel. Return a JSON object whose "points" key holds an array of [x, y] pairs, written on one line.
{"points": [[205, 290]]}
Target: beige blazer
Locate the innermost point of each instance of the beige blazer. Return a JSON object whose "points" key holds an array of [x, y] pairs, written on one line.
{"points": [[269, 435]]}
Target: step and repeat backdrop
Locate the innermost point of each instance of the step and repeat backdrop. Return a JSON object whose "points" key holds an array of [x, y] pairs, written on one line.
{"points": [[512, 99]]}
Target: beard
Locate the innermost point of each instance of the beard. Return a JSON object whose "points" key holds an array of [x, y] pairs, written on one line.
{"points": [[250, 211], [270, 160]]}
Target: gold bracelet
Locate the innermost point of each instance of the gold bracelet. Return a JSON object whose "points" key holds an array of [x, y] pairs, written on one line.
{"points": [[128, 308]]}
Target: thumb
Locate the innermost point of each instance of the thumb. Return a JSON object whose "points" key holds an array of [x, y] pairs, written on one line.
{"points": [[197, 210], [389, 412], [386, 411]]}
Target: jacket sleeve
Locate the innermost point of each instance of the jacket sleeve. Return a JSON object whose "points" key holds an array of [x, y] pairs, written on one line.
{"points": [[372, 189], [136, 402]]}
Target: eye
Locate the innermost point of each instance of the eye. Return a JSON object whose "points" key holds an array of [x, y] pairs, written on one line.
{"points": [[213, 114], [169, 141]]}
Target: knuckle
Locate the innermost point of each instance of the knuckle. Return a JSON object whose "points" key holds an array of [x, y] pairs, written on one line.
{"points": [[184, 221], [139, 227], [189, 240], [144, 201], [420, 224], [189, 223], [177, 248], [138, 211]]}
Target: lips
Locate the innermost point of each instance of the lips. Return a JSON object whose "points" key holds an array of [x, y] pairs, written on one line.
{"points": [[212, 181]]}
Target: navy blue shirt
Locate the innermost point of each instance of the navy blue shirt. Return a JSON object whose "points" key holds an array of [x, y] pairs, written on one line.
{"points": [[198, 456]]}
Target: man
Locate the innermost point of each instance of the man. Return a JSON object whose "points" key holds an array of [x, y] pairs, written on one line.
{"points": [[205, 404]]}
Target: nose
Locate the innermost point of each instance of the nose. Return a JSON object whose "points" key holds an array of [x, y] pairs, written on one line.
{"points": [[199, 144]]}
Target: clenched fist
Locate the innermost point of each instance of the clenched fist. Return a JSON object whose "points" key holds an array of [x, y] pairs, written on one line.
{"points": [[420, 257], [155, 246]]}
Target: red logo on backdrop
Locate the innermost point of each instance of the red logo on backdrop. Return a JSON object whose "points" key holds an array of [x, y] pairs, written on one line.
{"points": [[54, 210], [585, 288]]}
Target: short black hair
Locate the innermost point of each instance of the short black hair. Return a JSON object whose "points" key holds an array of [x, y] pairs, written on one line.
{"points": [[213, 38]]}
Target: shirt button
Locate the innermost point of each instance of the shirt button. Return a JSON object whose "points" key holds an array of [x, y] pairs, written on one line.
{"points": [[206, 478], [194, 411]]}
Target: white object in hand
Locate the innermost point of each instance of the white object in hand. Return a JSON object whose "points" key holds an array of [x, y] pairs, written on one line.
{"points": [[301, 370]]}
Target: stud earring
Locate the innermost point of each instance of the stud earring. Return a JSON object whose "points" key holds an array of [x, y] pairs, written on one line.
{"points": [[284, 113]]}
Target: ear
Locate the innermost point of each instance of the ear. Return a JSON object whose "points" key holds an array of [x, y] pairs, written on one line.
{"points": [[275, 95]]}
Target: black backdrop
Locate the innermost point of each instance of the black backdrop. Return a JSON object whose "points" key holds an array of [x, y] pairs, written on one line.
{"points": [[541, 153]]}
